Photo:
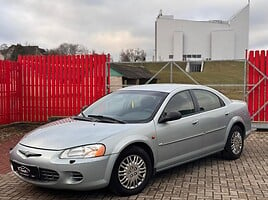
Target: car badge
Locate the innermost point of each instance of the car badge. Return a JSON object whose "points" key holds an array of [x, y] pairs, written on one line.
{"points": [[23, 170]]}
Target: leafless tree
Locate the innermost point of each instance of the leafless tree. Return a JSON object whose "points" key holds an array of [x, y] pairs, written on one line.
{"points": [[132, 55], [69, 49], [3, 47]]}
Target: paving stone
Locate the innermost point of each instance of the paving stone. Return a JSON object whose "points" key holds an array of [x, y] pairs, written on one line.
{"points": [[208, 178]]}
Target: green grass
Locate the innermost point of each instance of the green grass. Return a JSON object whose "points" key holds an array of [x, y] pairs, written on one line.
{"points": [[215, 72]]}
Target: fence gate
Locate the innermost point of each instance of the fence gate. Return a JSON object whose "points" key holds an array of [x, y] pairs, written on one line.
{"points": [[257, 86]]}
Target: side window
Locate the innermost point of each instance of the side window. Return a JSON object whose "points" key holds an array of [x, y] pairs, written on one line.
{"points": [[181, 102], [207, 100]]}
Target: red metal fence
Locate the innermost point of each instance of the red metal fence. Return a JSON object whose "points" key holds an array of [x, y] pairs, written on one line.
{"points": [[38, 87], [257, 90], [9, 92]]}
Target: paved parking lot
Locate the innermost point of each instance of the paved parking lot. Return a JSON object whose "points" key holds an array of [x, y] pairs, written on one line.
{"points": [[208, 178]]}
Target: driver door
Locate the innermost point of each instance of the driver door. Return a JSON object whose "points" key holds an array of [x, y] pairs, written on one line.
{"points": [[179, 140]]}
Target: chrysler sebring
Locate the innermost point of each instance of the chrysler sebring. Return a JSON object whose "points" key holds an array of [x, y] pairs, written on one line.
{"points": [[122, 139]]}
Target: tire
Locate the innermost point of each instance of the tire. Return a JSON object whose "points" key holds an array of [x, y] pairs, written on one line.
{"points": [[235, 144], [131, 172]]}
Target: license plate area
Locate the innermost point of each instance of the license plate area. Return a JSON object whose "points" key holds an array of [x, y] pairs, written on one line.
{"points": [[26, 171]]}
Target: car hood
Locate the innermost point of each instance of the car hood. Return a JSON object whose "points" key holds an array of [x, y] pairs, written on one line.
{"points": [[68, 133]]}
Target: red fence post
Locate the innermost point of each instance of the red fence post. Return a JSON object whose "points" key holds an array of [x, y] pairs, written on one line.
{"points": [[262, 69], [36, 108], [266, 86], [109, 75], [96, 77], [250, 82], [24, 89], [49, 86], [28, 77], [60, 85], [69, 85], [103, 74], [53, 96], [78, 84], [1, 92], [8, 96], [18, 91], [82, 83], [87, 78], [65, 86], [39, 91], [256, 90], [91, 71], [2, 96], [45, 86], [73, 85], [56, 86]]}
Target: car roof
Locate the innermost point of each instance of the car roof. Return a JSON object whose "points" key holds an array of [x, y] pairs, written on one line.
{"points": [[165, 87]]}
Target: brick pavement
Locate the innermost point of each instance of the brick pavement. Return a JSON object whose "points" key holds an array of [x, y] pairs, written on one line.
{"points": [[4, 153], [207, 178]]}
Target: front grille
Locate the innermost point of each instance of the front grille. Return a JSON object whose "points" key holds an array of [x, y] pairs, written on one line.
{"points": [[48, 175], [76, 176], [35, 173]]}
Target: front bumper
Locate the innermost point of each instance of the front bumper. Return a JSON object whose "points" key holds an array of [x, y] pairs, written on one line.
{"points": [[75, 174]]}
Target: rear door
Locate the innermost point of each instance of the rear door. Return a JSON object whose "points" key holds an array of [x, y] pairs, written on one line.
{"points": [[213, 118]]}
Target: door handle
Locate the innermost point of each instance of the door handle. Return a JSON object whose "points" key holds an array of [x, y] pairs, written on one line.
{"points": [[195, 122], [226, 114]]}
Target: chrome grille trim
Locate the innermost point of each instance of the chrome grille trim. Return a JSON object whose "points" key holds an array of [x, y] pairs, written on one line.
{"points": [[48, 175]]}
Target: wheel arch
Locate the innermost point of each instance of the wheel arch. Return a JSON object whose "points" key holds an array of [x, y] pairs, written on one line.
{"points": [[113, 181], [236, 121], [242, 126], [143, 146]]}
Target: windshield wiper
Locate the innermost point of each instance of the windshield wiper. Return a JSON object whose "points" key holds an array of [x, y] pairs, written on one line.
{"points": [[82, 113], [107, 119], [82, 118]]}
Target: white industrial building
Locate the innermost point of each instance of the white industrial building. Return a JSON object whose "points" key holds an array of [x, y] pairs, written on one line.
{"points": [[180, 39]]}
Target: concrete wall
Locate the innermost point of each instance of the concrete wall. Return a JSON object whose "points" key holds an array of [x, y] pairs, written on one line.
{"points": [[115, 83], [185, 37], [178, 45], [223, 45], [240, 25], [2, 57]]}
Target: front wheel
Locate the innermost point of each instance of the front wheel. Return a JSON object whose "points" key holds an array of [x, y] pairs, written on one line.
{"points": [[131, 172], [235, 143]]}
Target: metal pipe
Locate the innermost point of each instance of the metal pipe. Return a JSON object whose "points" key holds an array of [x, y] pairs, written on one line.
{"points": [[186, 74], [171, 72], [157, 73], [245, 76]]}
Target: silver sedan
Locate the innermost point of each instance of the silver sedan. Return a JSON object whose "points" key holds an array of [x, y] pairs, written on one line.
{"points": [[121, 140]]}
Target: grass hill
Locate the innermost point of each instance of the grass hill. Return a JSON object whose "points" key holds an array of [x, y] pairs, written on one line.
{"points": [[215, 72]]}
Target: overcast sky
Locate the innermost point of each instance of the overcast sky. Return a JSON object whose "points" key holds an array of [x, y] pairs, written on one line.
{"points": [[112, 25]]}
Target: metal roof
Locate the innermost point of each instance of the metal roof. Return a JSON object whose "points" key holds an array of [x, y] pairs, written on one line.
{"points": [[132, 72]]}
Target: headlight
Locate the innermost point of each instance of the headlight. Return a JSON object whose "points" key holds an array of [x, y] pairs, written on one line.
{"points": [[88, 151]]}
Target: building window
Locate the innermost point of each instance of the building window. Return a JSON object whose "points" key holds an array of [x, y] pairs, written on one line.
{"points": [[187, 56]]}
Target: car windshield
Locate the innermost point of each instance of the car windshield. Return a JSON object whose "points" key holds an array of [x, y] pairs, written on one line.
{"points": [[126, 107]]}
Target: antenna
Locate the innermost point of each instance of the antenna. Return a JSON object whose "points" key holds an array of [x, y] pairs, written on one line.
{"points": [[160, 13]]}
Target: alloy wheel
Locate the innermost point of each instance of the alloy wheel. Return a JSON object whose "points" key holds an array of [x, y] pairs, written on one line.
{"points": [[132, 172], [236, 142]]}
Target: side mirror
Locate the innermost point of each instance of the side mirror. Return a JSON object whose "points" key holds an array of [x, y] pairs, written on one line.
{"points": [[171, 116]]}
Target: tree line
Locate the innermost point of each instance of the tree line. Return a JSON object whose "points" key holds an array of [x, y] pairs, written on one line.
{"points": [[11, 52]]}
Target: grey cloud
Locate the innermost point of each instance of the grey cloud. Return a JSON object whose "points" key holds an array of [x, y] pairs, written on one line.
{"points": [[96, 23]]}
